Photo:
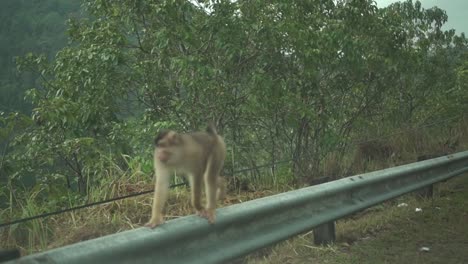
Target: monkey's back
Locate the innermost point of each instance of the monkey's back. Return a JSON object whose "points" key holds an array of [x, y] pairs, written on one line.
{"points": [[204, 145]]}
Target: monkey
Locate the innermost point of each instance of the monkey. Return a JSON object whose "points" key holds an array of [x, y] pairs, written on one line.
{"points": [[198, 155]]}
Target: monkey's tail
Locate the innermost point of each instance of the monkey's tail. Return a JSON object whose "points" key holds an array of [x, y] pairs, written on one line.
{"points": [[211, 129]]}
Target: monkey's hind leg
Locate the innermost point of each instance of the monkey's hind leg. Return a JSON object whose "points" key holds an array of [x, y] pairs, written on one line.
{"points": [[213, 169], [221, 188], [196, 182]]}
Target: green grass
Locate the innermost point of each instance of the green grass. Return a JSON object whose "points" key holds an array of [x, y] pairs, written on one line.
{"points": [[391, 234]]}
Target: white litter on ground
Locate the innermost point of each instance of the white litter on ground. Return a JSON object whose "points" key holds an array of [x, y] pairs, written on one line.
{"points": [[424, 249]]}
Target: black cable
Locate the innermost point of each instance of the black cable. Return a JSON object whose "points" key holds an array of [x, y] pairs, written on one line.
{"points": [[22, 220], [356, 142], [262, 166], [81, 207]]}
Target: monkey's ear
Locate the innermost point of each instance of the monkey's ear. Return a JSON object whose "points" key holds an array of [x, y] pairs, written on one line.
{"points": [[160, 136], [174, 138]]}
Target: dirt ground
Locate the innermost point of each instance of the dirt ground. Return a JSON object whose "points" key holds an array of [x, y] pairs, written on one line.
{"points": [[437, 234]]}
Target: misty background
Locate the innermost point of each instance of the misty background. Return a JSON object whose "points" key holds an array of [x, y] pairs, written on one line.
{"points": [[457, 11]]}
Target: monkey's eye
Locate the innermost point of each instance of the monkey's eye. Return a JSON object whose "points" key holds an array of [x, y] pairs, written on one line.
{"points": [[160, 145]]}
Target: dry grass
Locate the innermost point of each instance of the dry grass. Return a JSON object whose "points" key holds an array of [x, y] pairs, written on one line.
{"points": [[100, 220]]}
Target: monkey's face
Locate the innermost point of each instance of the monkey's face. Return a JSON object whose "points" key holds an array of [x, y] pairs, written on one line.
{"points": [[163, 155]]}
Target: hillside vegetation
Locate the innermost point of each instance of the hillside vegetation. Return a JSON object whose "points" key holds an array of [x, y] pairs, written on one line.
{"points": [[300, 91]]}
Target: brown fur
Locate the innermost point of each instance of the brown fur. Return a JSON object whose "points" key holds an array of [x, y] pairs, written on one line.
{"points": [[199, 155]]}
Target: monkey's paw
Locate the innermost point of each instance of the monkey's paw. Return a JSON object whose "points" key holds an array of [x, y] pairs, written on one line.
{"points": [[208, 214], [154, 222]]}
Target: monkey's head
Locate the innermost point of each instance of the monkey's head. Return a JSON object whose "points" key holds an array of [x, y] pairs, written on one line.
{"points": [[166, 143], [167, 138]]}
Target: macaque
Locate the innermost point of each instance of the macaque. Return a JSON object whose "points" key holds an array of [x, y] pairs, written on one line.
{"points": [[200, 156]]}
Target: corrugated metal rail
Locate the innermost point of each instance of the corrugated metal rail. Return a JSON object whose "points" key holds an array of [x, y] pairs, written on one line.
{"points": [[244, 228]]}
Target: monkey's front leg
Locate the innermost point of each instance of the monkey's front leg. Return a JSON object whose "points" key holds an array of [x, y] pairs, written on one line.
{"points": [[161, 192]]}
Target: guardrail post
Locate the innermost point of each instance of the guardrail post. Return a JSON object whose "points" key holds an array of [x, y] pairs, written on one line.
{"points": [[9, 254], [324, 234], [426, 192]]}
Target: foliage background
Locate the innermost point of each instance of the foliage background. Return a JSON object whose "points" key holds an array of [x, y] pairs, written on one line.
{"points": [[301, 81]]}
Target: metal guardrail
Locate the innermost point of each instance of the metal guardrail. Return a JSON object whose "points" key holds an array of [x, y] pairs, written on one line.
{"points": [[247, 227]]}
